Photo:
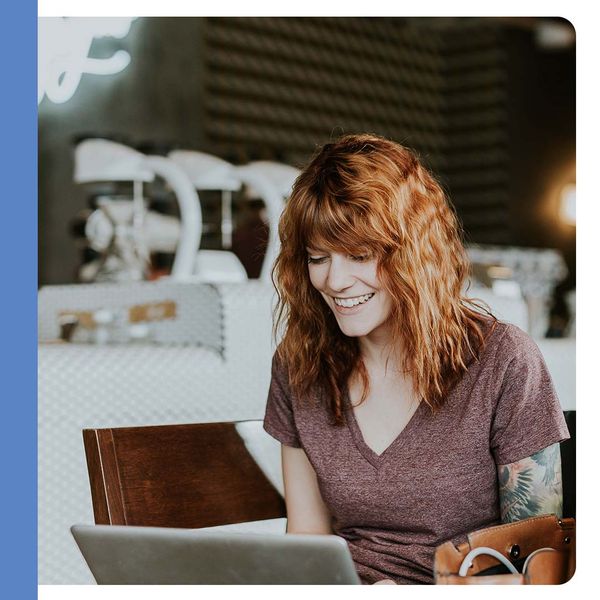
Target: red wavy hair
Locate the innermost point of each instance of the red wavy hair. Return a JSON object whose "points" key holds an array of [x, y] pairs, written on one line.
{"points": [[364, 193]]}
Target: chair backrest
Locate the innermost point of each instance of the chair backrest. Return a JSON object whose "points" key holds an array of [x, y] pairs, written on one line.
{"points": [[192, 475]]}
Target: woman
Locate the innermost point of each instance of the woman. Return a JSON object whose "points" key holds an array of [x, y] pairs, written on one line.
{"points": [[407, 414]]}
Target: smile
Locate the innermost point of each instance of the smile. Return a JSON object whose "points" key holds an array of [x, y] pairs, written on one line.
{"points": [[350, 302]]}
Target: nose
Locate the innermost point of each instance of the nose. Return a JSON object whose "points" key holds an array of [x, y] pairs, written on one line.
{"points": [[339, 276]]}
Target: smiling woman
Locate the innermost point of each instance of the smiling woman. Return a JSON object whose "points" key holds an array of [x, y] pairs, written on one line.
{"points": [[408, 414]]}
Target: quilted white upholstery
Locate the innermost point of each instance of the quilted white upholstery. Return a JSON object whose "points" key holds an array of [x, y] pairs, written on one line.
{"points": [[85, 385], [198, 310]]}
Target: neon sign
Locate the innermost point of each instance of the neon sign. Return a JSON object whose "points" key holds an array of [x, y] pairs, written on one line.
{"points": [[63, 53]]}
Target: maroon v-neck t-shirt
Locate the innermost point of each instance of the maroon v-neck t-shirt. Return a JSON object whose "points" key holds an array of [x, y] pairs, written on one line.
{"points": [[438, 479]]}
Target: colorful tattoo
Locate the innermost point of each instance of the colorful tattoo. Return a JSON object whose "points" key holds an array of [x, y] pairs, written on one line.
{"points": [[531, 486]]}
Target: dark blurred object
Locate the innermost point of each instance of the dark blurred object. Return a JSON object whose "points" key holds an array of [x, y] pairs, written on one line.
{"points": [[250, 238], [568, 460], [161, 264], [557, 327], [560, 316], [154, 147]]}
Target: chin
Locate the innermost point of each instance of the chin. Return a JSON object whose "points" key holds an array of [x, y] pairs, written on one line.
{"points": [[355, 331]]}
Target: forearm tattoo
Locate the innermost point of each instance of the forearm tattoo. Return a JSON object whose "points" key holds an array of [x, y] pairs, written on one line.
{"points": [[531, 486]]}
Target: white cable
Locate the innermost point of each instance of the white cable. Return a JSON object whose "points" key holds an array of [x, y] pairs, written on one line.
{"points": [[468, 560]]}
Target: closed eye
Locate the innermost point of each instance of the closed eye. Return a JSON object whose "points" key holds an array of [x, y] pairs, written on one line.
{"points": [[319, 259]]}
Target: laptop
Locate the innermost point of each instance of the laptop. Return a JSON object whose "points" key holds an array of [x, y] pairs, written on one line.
{"points": [[122, 554]]}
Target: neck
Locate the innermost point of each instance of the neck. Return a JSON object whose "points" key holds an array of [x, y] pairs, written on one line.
{"points": [[380, 355]]}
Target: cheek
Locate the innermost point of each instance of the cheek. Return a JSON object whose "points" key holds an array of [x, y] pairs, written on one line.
{"points": [[385, 305], [316, 279]]}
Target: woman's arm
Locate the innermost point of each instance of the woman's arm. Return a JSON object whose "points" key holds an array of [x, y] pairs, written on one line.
{"points": [[531, 486], [306, 511]]}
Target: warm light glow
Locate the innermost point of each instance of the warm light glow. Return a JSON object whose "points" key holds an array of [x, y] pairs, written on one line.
{"points": [[567, 203], [63, 47]]}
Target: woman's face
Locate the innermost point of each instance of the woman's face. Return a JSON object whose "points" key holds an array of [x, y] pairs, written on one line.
{"points": [[352, 290]]}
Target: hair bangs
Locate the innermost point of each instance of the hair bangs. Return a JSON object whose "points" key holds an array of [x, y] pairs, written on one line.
{"points": [[338, 225]]}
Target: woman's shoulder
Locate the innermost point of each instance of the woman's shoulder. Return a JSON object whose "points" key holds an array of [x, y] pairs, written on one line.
{"points": [[280, 373], [507, 342], [278, 364]]}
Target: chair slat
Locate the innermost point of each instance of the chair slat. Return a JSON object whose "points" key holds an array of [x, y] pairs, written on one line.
{"points": [[192, 475]]}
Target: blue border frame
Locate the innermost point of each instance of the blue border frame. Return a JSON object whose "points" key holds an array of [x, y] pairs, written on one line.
{"points": [[18, 251]]}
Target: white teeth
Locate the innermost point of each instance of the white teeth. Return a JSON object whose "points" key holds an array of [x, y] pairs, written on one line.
{"points": [[350, 302]]}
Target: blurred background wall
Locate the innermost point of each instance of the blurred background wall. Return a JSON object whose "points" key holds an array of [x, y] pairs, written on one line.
{"points": [[489, 103]]}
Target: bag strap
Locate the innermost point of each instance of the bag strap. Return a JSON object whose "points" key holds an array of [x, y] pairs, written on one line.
{"points": [[467, 563]]}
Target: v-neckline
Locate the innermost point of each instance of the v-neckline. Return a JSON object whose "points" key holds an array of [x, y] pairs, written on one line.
{"points": [[368, 453]]}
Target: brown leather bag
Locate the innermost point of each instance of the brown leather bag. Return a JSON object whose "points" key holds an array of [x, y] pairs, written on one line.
{"points": [[541, 549]]}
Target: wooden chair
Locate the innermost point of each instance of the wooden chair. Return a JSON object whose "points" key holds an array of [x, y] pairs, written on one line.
{"points": [[189, 476]]}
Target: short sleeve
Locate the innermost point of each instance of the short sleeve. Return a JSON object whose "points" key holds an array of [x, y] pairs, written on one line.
{"points": [[279, 415], [528, 415]]}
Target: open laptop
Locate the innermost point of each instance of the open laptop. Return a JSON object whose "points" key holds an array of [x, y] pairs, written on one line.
{"points": [[119, 554]]}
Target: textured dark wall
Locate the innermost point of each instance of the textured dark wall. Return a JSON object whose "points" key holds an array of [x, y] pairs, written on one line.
{"points": [[489, 112]]}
